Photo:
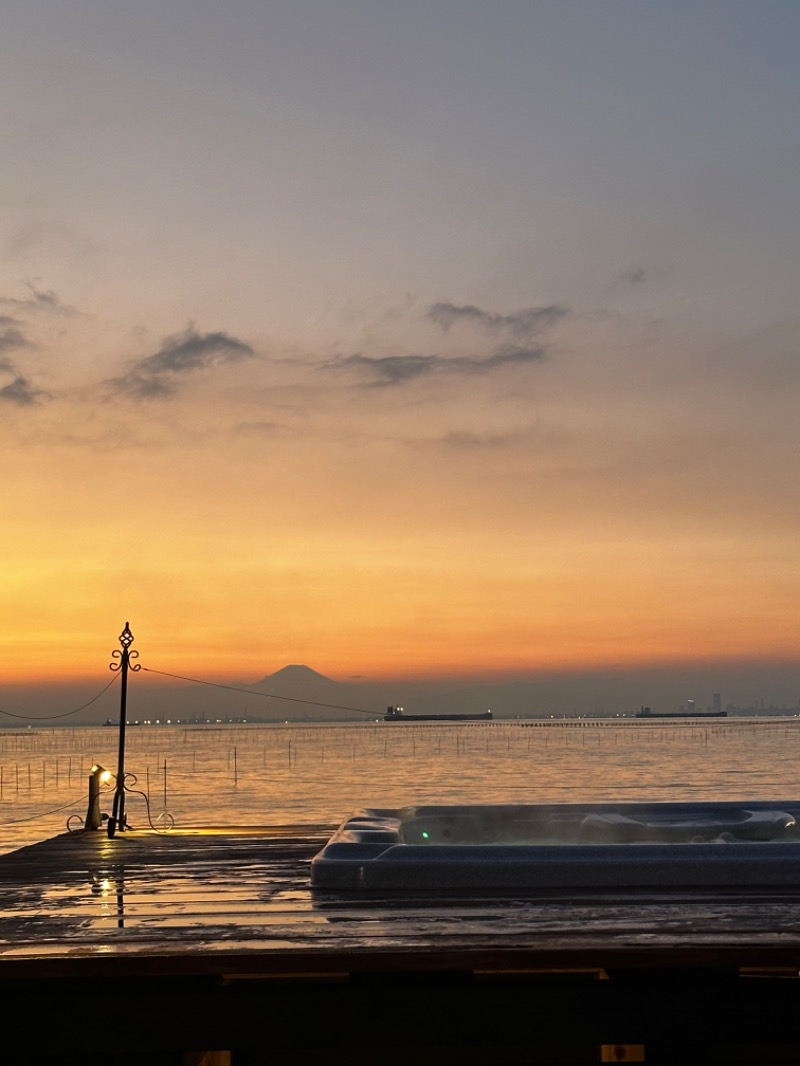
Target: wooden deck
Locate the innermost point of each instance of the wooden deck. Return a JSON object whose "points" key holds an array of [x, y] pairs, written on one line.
{"points": [[214, 939]]}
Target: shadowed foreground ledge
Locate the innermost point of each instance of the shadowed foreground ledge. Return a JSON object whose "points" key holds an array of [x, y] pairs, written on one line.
{"points": [[214, 938]]}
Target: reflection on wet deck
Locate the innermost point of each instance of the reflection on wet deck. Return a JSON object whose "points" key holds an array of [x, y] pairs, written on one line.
{"points": [[222, 933], [194, 893]]}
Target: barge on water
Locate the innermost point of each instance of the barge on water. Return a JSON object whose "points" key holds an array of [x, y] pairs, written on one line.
{"points": [[645, 712], [397, 714]]}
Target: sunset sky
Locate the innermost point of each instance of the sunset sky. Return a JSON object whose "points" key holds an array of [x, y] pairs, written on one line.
{"points": [[456, 337]]}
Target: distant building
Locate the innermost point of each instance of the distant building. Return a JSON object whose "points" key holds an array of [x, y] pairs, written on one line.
{"points": [[716, 702]]}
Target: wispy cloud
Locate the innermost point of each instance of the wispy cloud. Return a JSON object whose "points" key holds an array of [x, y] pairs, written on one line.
{"points": [[463, 439], [511, 354], [521, 346], [634, 275], [19, 390], [257, 429], [42, 300], [391, 370], [525, 323], [158, 375], [11, 337], [639, 278]]}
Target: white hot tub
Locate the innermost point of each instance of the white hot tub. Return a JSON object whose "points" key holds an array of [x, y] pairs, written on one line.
{"points": [[581, 845]]}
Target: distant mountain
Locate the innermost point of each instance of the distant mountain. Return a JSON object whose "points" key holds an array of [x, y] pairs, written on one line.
{"points": [[296, 692], [296, 674]]}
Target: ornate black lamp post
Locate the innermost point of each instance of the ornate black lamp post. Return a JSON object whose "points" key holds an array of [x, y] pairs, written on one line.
{"points": [[117, 819]]}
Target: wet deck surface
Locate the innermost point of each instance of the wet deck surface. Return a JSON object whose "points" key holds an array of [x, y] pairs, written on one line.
{"points": [[215, 939], [216, 900]]}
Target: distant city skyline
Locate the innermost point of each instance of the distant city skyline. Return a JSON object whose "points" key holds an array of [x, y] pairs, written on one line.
{"points": [[443, 340]]}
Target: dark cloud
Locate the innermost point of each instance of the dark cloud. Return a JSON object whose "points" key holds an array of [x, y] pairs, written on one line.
{"points": [[39, 300], [639, 277], [520, 326], [187, 352], [391, 370], [634, 275], [520, 323], [19, 391], [511, 354], [11, 338]]}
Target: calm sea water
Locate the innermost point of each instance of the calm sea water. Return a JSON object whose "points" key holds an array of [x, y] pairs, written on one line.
{"points": [[320, 773]]}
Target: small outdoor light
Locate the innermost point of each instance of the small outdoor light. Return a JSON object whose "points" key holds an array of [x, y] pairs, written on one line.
{"points": [[97, 775]]}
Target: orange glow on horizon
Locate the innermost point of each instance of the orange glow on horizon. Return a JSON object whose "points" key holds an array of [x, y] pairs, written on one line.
{"points": [[378, 604]]}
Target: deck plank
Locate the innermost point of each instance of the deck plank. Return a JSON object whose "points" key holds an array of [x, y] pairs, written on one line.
{"points": [[204, 898]]}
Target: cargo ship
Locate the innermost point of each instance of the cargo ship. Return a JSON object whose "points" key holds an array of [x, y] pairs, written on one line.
{"points": [[645, 712]]}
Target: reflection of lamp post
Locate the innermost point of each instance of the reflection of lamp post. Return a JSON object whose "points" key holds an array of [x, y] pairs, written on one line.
{"points": [[98, 775], [117, 819]]}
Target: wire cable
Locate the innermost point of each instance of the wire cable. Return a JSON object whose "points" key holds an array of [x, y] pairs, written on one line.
{"points": [[43, 814], [66, 714], [266, 695]]}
